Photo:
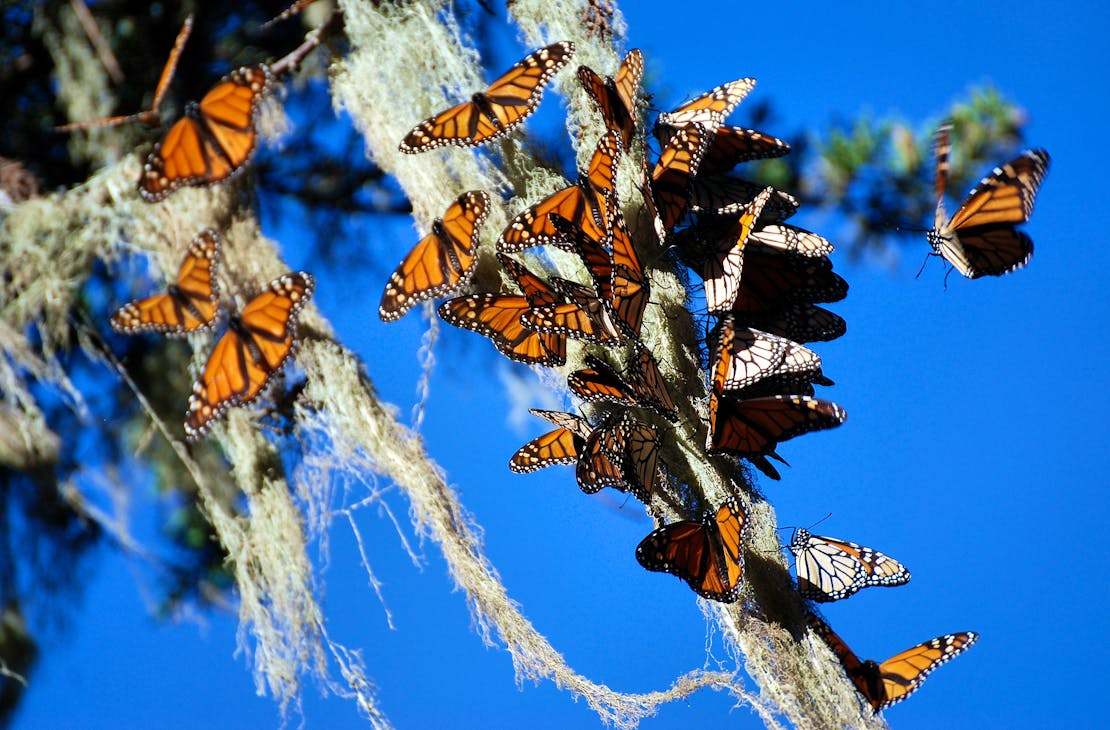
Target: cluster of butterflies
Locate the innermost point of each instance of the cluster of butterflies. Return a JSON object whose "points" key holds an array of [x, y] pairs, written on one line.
{"points": [[763, 279], [213, 142]]}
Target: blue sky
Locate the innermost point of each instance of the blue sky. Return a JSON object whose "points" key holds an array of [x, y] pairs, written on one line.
{"points": [[973, 449]]}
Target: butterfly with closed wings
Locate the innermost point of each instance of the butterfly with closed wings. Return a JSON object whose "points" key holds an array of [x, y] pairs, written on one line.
{"points": [[830, 569]]}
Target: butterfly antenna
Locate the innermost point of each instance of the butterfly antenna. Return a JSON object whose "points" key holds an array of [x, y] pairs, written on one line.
{"points": [[818, 522]]}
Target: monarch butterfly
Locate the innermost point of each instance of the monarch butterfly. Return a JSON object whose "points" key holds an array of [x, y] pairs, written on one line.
{"points": [[725, 194], [732, 145], [712, 108], [756, 426], [799, 322], [902, 674], [830, 569], [498, 317], [674, 172], [773, 279], [561, 446], [147, 116], [616, 99], [643, 385], [617, 275], [621, 453], [187, 306], [590, 204], [583, 316], [980, 239], [215, 139], [707, 554], [630, 286], [257, 343], [496, 111], [721, 270], [444, 260], [745, 357]]}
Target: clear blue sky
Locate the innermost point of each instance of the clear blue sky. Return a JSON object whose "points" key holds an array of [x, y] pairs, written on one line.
{"points": [[974, 449]]}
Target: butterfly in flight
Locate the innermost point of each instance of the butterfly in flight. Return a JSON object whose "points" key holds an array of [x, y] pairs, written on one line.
{"points": [[589, 205], [980, 239], [147, 116], [884, 684], [707, 554], [442, 262], [621, 453], [643, 384], [616, 98], [213, 141], [496, 111], [256, 345], [711, 108], [498, 317], [830, 569], [188, 305], [561, 446]]}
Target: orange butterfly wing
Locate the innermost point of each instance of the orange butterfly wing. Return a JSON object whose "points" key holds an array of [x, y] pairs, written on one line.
{"points": [[497, 110], [980, 238], [711, 108], [560, 446], [722, 269], [616, 99], [904, 672], [252, 351], [588, 205], [708, 555], [498, 317], [442, 262], [733, 145], [677, 165], [213, 141], [630, 289], [190, 303], [756, 426]]}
